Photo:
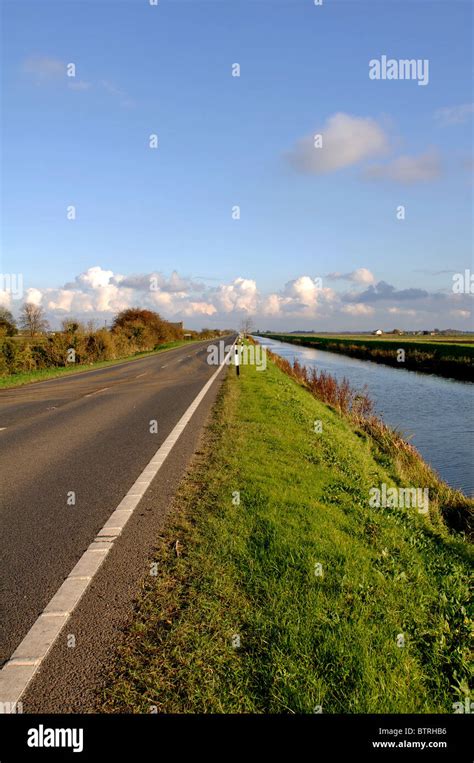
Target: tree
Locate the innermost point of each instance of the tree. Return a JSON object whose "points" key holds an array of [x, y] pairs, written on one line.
{"points": [[145, 327], [32, 319], [72, 326], [7, 322], [246, 326]]}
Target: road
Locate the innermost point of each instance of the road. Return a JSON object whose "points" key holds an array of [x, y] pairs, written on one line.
{"points": [[86, 435]]}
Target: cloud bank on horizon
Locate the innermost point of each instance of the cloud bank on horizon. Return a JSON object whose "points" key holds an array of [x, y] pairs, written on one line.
{"points": [[304, 302]]}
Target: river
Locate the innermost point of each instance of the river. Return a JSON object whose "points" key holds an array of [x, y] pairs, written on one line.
{"points": [[435, 414]]}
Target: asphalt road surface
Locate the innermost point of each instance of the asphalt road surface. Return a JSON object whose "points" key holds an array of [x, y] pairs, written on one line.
{"points": [[88, 433]]}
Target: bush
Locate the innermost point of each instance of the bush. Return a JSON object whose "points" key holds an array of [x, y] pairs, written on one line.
{"points": [[123, 344], [25, 359], [145, 327], [134, 330], [100, 346], [56, 350], [9, 354]]}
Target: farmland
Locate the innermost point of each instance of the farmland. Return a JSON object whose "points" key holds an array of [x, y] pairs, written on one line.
{"points": [[450, 356]]}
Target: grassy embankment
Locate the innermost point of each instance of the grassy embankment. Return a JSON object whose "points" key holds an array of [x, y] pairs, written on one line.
{"points": [[27, 377], [249, 572], [450, 357]]}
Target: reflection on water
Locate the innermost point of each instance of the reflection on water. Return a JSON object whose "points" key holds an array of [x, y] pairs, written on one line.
{"points": [[436, 414]]}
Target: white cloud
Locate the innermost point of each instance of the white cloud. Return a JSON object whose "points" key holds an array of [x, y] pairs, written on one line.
{"points": [[96, 278], [358, 308], [5, 299], [346, 140], [361, 275], [79, 85], [401, 311], [241, 295], [198, 308], [305, 296], [454, 115], [301, 303], [115, 91], [34, 296], [44, 68], [408, 169]]}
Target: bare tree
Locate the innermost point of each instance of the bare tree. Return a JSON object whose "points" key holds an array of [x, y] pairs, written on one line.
{"points": [[72, 326], [32, 319], [246, 326]]}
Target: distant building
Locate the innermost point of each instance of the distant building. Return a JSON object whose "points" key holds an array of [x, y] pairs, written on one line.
{"points": [[377, 332]]}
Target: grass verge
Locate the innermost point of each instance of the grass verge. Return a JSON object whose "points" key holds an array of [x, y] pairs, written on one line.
{"points": [[298, 596], [28, 377]]}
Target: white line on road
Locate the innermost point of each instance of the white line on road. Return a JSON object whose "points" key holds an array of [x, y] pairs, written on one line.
{"points": [[140, 375], [18, 672], [164, 365], [96, 392], [2, 428]]}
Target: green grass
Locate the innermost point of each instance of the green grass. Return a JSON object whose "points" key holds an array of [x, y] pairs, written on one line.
{"points": [[249, 570], [28, 377]]}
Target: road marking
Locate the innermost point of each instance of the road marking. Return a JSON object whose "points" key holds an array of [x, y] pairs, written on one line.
{"points": [[2, 428], [164, 365], [140, 375], [96, 392], [19, 670]]}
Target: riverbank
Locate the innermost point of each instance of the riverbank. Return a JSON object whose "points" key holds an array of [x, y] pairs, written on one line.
{"points": [[444, 358], [279, 588]]}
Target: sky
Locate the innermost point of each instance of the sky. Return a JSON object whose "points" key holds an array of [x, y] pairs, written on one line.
{"points": [[287, 184]]}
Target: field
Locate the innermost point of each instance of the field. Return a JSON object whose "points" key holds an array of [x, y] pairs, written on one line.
{"points": [[279, 590], [445, 356], [427, 339]]}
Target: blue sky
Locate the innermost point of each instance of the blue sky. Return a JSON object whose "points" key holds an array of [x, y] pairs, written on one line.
{"points": [[246, 141]]}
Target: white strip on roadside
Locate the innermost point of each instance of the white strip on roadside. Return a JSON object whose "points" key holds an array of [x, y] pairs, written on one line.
{"points": [[96, 391], [19, 670]]}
